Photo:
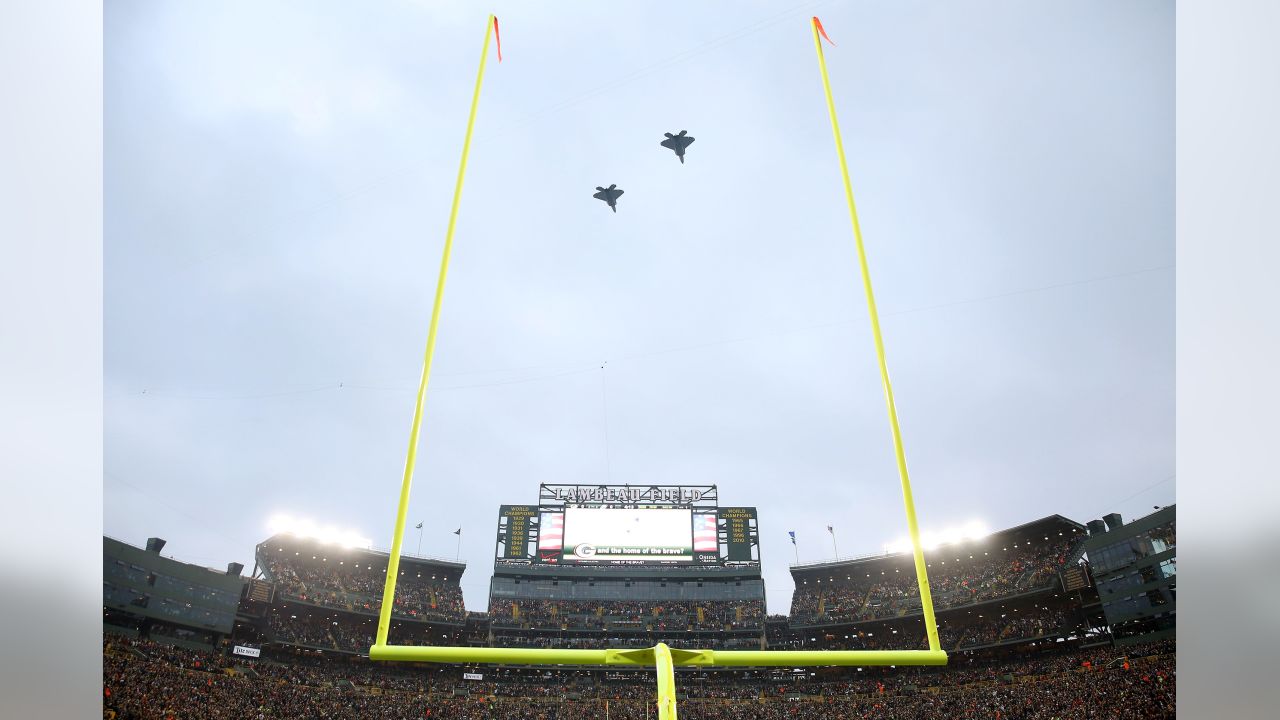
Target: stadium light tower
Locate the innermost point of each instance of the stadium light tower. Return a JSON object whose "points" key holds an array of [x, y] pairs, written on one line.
{"points": [[974, 530], [324, 534]]}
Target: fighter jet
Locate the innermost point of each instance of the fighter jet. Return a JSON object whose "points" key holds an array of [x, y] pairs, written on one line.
{"points": [[678, 143], [609, 195]]}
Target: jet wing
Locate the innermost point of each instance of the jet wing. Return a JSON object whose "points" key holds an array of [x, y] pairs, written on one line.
{"points": [[602, 195]]}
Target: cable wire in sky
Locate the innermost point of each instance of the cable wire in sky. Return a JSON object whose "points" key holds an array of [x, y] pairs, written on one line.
{"points": [[579, 368]]}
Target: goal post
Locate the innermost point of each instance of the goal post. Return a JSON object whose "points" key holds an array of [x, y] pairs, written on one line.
{"points": [[662, 658]]}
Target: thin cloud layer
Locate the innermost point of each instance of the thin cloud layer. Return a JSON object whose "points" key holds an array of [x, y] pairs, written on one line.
{"points": [[278, 179]]}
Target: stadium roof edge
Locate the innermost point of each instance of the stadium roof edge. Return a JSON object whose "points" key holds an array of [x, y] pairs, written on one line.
{"points": [[170, 558], [872, 557], [380, 552], [151, 560]]}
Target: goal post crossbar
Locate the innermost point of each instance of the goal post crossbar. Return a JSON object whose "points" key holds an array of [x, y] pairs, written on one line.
{"points": [[647, 656], [661, 658]]}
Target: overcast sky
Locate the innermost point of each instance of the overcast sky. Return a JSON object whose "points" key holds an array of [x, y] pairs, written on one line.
{"points": [[277, 185]]}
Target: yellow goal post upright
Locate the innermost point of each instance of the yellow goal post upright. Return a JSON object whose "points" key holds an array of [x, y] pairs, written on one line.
{"points": [[661, 657]]}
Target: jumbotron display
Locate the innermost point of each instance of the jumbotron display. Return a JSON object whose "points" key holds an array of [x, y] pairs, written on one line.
{"points": [[630, 534], [627, 525]]}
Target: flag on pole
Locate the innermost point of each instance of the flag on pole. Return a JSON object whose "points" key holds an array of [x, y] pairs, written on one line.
{"points": [[418, 526], [458, 531], [792, 533], [498, 38], [831, 530], [817, 23]]}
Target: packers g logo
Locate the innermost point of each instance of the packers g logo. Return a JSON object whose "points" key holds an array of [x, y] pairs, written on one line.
{"points": [[585, 550]]}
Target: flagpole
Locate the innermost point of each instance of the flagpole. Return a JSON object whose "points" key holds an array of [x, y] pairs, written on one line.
{"points": [[397, 537], [922, 575], [834, 549], [419, 539], [458, 555]]}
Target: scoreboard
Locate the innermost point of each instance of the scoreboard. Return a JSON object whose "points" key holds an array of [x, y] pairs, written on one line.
{"points": [[740, 533], [520, 522], [665, 527]]}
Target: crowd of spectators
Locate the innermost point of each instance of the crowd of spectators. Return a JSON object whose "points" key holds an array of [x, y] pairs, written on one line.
{"points": [[344, 633], [659, 616], [312, 632], [358, 588], [1001, 626], [1036, 622], [143, 680], [1000, 571], [641, 640]]}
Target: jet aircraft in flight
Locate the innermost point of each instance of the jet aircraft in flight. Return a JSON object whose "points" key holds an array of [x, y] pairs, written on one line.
{"points": [[610, 195], [678, 143]]}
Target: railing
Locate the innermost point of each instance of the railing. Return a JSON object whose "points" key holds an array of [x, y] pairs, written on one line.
{"points": [[403, 555], [848, 558]]}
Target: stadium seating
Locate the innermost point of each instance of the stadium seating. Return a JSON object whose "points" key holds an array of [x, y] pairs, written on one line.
{"points": [[1019, 649], [852, 595], [665, 616], [343, 632], [357, 586], [144, 680]]}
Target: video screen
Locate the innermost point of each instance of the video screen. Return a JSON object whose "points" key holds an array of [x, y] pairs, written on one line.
{"points": [[649, 534], [595, 535]]}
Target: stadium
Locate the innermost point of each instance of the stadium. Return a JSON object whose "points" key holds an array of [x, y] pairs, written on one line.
{"points": [[635, 585], [1048, 619]]}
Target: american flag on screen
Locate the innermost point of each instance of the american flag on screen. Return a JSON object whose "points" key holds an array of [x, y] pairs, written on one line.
{"points": [[704, 533], [551, 533]]}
